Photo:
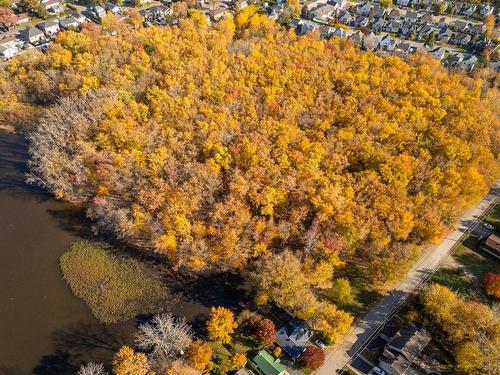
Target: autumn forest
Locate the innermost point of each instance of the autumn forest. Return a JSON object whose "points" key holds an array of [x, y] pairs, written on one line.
{"points": [[243, 147]]}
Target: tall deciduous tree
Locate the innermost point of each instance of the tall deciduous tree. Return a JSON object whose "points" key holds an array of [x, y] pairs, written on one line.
{"points": [[127, 362], [221, 325], [165, 337]]}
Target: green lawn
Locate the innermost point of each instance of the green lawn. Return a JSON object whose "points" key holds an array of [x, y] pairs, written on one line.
{"points": [[475, 262]]}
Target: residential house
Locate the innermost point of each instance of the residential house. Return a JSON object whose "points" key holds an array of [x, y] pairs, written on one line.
{"points": [[8, 51], [113, 8], [337, 4], [267, 364], [370, 42], [427, 19], [377, 12], [462, 39], [444, 35], [326, 31], [460, 26], [240, 4], [305, 26], [311, 6], [491, 245], [294, 338], [69, 23], [361, 21], [33, 35], [394, 14], [340, 32], [486, 9], [424, 32], [402, 349], [364, 8], [438, 53], [53, 6], [407, 27], [477, 29], [442, 22], [378, 25], [156, 13], [357, 38], [453, 60], [274, 12], [80, 18], [455, 7], [98, 12], [387, 43], [469, 10], [50, 28], [8, 47], [403, 3], [405, 48], [322, 12], [411, 16], [218, 11], [469, 62], [393, 27], [345, 17]]}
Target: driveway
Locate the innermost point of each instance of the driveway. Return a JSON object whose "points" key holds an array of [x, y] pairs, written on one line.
{"points": [[367, 326]]}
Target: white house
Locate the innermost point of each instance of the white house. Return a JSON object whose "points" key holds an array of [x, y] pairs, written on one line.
{"points": [[33, 35], [8, 51], [50, 27], [53, 6], [469, 62], [438, 53], [305, 26], [364, 9], [69, 23], [487, 9], [322, 12], [387, 43]]}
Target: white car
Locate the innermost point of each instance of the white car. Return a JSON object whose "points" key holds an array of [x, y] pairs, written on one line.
{"points": [[378, 371], [488, 226]]}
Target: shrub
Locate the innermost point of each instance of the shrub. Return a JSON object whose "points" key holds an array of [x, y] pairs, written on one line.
{"points": [[112, 288], [199, 354], [492, 284], [313, 357], [342, 292], [238, 361], [266, 331]]}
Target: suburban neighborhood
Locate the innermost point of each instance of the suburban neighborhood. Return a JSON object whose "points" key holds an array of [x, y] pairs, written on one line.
{"points": [[458, 34]]}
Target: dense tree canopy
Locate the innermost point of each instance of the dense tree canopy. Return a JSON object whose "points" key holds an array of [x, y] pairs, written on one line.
{"points": [[221, 145], [216, 145]]}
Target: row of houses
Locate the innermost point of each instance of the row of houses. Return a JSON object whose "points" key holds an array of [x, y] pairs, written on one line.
{"points": [[40, 35], [449, 7]]}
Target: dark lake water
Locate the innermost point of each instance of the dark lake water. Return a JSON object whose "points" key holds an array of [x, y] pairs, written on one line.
{"points": [[44, 328]]}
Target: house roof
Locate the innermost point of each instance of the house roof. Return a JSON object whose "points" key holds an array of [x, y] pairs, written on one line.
{"points": [[294, 337], [68, 21], [267, 364], [409, 340], [492, 242], [402, 349]]}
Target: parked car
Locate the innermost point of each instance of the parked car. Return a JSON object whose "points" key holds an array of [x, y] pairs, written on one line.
{"points": [[488, 226], [320, 344], [378, 371]]}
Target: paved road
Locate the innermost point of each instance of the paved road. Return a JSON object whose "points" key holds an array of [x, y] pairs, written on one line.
{"points": [[368, 325]]}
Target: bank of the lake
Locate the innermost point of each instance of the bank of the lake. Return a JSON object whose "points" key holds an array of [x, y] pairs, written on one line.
{"points": [[44, 328]]}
